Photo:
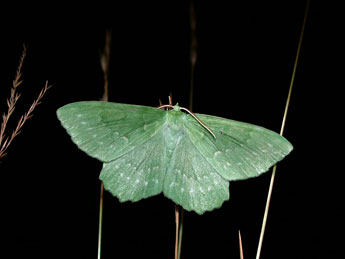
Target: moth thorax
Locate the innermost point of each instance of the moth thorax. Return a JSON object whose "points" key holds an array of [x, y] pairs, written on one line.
{"points": [[172, 135]]}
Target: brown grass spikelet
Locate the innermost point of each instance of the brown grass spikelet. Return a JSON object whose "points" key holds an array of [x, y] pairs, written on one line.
{"points": [[5, 140]]}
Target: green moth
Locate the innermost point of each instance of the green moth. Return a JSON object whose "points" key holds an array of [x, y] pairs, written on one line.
{"points": [[146, 151]]}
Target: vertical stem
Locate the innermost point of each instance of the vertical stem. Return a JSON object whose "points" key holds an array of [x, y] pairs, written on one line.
{"points": [[240, 241], [105, 59], [193, 58], [264, 221], [180, 232], [177, 229], [281, 133], [193, 51], [100, 222]]}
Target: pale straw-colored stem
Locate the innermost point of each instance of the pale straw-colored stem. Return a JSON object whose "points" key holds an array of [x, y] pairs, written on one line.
{"points": [[240, 242], [105, 60], [177, 222], [193, 58], [100, 221], [281, 133]]}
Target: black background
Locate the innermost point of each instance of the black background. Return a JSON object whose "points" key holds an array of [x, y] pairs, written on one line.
{"points": [[246, 51]]}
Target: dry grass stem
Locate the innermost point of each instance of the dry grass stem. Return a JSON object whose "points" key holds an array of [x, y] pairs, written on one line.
{"points": [[264, 221], [177, 221], [11, 102], [240, 242], [5, 141], [105, 61]]}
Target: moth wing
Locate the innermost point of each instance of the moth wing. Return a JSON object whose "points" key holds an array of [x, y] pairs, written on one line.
{"points": [[139, 173], [191, 181], [240, 150], [106, 130]]}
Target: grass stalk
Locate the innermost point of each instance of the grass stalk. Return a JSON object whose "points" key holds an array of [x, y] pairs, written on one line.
{"points": [[177, 221], [269, 196], [105, 60], [5, 140], [180, 232], [100, 221], [240, 243], [193, 51], [193, 58]]}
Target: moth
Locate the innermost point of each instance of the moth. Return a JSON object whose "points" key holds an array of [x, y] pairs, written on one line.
{"points": [[190, 158]]}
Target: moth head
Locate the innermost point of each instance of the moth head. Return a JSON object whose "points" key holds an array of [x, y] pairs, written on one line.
{"points": [[177, 107]]}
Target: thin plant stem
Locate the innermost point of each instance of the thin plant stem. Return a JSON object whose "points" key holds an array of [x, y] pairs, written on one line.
{"points": [[177, 219], [193, 51], [5, 140], [105, 60], [240, 242], [100, 221], [11, 104], [193, 58], [281, 133], [180, 232]]}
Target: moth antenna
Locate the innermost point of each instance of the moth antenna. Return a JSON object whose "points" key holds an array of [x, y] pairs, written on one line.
{"points": [[193, 115], [198, 120], [165, 106]]}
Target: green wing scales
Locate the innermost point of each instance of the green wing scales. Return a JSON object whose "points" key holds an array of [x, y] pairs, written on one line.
{"points": [[106, 130], [240, 150], [147, 151], [139, 173], [191, 181]]}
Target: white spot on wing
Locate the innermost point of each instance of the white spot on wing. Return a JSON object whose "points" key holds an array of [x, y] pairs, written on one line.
{"points": [[217, 153]]}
